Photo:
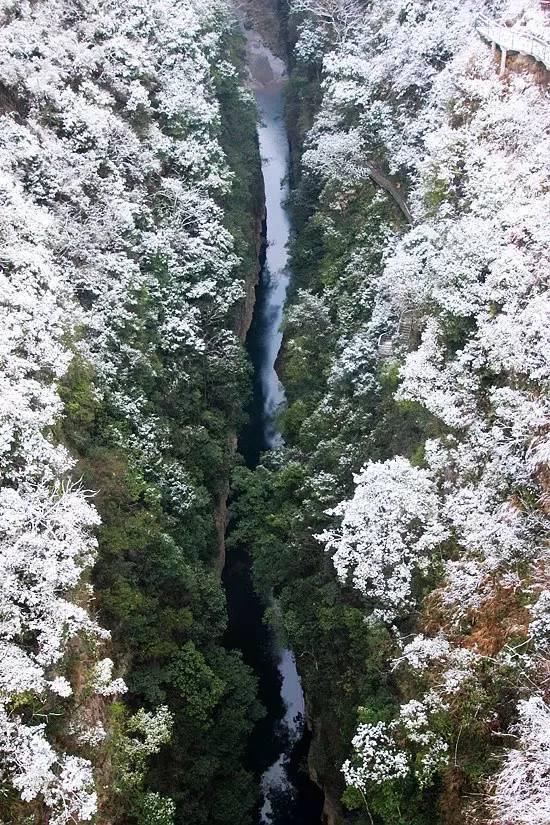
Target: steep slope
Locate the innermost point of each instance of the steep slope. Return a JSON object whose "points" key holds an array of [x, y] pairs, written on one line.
{"points": [[130, 207], [403, 526]]}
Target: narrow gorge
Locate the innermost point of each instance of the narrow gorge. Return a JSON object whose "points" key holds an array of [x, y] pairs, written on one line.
{"points": [[274, 412], [280, 743]]}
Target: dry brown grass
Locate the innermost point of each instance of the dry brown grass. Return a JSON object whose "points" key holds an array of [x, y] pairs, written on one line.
{"points": [[500, 619]]}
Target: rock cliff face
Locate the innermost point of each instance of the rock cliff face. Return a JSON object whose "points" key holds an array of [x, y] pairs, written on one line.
{"points": [[242, 325], [263, 16], [244, 318], [333, 813]]}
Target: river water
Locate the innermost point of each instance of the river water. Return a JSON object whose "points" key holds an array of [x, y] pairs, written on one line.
{"points": [[268, 75], [280, 743]]}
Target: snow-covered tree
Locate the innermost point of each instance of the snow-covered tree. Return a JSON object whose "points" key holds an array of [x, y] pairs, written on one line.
{"points": [[340, 17], [111, 174], [387, 532], [460, 301], [521, 793]]}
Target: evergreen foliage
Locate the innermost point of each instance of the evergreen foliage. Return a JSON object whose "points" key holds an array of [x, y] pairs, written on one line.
{"points": [[130, 211], [401, 528]]}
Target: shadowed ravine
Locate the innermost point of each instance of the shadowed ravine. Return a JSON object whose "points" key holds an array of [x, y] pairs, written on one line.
{"points": [[279, 745]]}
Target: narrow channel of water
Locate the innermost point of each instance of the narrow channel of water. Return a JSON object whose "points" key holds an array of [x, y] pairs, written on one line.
{"points": [[280, 742]]}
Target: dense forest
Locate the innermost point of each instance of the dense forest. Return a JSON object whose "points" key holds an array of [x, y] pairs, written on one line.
{"points": [[399, 536], [130, 201], [403, 528]]}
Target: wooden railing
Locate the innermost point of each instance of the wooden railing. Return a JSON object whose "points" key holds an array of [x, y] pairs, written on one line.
{"points": [[514, 40]]}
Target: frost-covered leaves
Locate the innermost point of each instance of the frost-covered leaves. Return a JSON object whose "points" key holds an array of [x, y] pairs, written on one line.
{"points": [[121, 145], [377, 758], [374, 81], [414, 91], [148, 732], [340, 18], [45, 544], [522, 788], [388, 529], [110, 177], [63, 782]]}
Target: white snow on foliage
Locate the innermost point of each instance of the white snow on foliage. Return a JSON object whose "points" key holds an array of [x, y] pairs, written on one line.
{"points": [[522, 792], [84, 88], [378, 758], [411, 88], [387, 532]]}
